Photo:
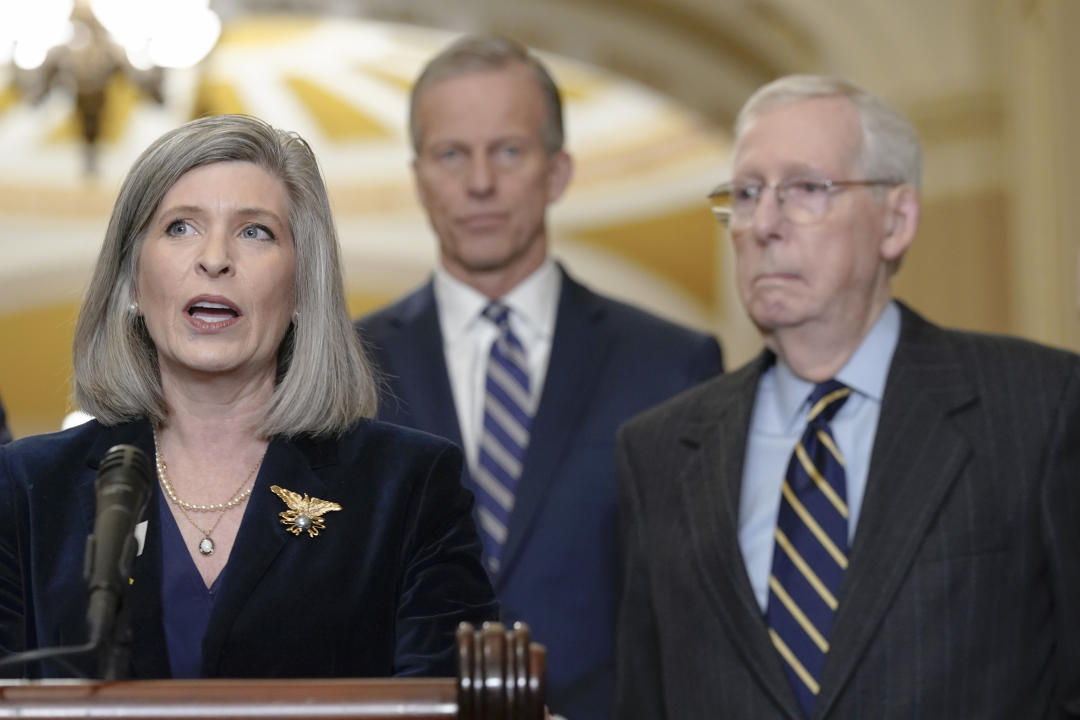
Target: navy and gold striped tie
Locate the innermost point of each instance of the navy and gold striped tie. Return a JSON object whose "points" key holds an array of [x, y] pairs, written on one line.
{"points": [[504, 437], [811, 549]]}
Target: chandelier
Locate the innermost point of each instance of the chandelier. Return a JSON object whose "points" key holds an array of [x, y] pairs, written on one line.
{"points": [[80, 45]]}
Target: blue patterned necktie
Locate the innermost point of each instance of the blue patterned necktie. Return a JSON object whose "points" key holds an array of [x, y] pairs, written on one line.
{"points": [[508, 413], [811, 549]]}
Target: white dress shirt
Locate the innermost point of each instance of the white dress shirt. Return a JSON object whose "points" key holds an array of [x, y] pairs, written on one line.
{"points": [[468, 336], [778, 421]]}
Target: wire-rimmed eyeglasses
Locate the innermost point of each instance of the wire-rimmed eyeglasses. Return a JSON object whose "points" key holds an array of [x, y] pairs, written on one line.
{"points": [[802, 200]]}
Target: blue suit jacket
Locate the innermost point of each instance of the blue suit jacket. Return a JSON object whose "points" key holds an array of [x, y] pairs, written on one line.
{"points": [[379, 592], [559, 565]]}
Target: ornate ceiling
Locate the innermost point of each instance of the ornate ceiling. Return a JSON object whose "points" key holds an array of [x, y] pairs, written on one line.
{"points": [[710, 54]]}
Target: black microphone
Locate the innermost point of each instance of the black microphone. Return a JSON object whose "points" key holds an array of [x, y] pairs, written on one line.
{"points": [[122, 489]]}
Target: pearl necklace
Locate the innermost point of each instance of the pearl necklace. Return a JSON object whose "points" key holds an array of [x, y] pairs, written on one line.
{"points": [[206, 545]]}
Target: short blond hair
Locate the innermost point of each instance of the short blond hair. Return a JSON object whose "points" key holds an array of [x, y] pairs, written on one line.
{"points": [[478, 53]]}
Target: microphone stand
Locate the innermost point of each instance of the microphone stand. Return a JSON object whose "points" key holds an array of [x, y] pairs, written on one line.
{"points": [[114, 651], [62, 656]]}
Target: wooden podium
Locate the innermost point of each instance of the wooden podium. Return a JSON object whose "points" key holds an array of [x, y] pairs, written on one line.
{"points": [[500, 677]]}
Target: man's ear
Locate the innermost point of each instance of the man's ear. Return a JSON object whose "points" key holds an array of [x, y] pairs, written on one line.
{"points": [[560, 170], [418, 184], [901, 219]]}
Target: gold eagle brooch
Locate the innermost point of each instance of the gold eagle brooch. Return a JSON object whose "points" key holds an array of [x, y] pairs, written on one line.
{"points": [[304, 513]]}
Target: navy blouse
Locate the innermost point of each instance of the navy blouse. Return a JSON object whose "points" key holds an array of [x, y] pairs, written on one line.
{"points": [[186, 602]]}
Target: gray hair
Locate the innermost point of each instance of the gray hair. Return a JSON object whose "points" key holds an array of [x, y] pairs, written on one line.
{"points": [[324, 382], [890, 147], [478, 53]]}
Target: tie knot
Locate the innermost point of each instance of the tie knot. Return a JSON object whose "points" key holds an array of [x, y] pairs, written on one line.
{"points": [[826, 399], [498, 313]]}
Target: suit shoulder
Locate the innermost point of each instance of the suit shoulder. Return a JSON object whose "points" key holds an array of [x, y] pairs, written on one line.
{"points": [[1011, 349], [637, 321], [376, 437], [980, 351], [377, 321], [692, 404], [1004, 360], [649, 341], [42, 456]]}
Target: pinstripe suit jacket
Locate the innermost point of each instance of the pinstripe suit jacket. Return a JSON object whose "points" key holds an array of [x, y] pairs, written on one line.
{"points": [[962, 596]]}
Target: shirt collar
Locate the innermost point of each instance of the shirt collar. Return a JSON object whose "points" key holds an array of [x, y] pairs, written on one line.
{"points": [[865, 371], [534, 301]]}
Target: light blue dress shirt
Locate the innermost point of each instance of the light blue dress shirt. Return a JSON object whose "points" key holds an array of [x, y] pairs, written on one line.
{"points": [[776, 424]]}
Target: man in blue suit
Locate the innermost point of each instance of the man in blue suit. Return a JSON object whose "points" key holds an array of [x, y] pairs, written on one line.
{"points": [[531, 372]]}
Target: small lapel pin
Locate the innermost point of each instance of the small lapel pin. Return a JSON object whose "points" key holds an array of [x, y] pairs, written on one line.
{"points": [[304, 513]]}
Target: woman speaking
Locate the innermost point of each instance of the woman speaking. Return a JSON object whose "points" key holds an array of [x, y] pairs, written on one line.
{"points": [[291, 535]]}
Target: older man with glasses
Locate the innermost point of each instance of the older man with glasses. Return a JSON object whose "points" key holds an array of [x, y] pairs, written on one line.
{"points": [[876, 517]]}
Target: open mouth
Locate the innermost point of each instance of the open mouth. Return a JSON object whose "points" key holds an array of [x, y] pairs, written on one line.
{"points": [[212, 312]]}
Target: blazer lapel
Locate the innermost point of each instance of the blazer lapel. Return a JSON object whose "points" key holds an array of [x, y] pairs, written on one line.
{"points": [[138, 434], [149, 657], [711, 484], [423, 382], [579, 351], [262, 536], [916, 457]]}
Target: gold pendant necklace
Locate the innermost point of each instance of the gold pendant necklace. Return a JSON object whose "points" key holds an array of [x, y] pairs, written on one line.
{"points": [[206, 545]]}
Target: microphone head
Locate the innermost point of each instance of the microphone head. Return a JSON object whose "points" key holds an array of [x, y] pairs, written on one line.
{"points": [[116, 461]]}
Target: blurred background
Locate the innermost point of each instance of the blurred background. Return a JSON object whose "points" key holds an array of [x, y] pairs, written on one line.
{"points": [[651, 88]]}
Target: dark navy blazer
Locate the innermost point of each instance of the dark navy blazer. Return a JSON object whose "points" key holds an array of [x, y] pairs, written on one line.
{"points": [[379, 592], [559, 566]]}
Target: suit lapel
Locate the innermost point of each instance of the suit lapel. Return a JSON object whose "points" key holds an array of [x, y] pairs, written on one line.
{"points": [[138, 434], [710, 484], [149, 655], [579, 351], [423, 383], [262, 536], [916, 457]]}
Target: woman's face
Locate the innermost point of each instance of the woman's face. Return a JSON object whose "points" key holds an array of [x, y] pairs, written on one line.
{"points": [[216, 273]]}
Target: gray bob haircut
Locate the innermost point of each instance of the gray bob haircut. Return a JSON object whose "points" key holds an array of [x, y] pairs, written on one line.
{"points": [[890, 147], [324, 383], [479, 53]]}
